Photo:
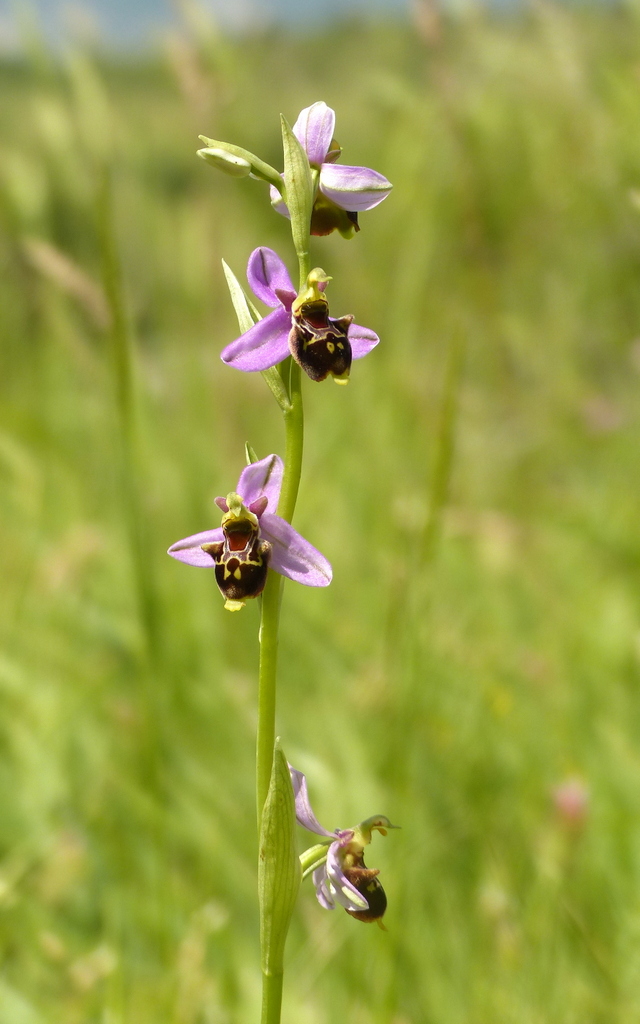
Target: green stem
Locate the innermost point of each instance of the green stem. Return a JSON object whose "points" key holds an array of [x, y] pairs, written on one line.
{"points": [[272, 594], [304, 263], [271, 998], [270, 621], [294, 445]]}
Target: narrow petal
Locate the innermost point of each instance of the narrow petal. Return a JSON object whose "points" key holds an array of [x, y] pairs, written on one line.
{"points": [[292, 555], [262, 478], [345, 893], [353, 188], [323, 893], [304, 812], [278, 202], [362, 340], [314, 131], [190, 551], [263, 345], [267, 273], [259, 505]]}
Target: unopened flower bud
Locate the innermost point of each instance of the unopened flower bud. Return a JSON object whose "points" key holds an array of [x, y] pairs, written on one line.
{"points": [[236, 166], [237, 162]]}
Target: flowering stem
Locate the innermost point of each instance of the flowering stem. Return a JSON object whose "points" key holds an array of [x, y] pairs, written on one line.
{"points": [[271, 998], [269, 622], [272, 594], [299, 193], [304, 262], [294, 442]]}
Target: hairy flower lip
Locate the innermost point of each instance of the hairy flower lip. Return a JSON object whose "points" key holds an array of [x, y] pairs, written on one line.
{"points": [[351, 188], [291, 555], [267, 343]]}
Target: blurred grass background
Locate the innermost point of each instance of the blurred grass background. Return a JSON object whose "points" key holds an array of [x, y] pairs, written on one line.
{"points": [[475, 489]]}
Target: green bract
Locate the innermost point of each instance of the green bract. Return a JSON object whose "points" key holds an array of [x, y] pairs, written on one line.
{"points": [[248, 315], [279, 872], [299, 192]]}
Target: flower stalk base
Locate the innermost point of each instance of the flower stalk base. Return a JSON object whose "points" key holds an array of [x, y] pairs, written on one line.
{"points": [[271, 998]]}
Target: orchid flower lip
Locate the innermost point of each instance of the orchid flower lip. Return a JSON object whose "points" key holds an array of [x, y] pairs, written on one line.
{"points": [[271, 542], [271, 340]]}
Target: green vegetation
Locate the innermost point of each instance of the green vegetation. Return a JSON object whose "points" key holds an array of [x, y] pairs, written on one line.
{"points": [[475, 488]]}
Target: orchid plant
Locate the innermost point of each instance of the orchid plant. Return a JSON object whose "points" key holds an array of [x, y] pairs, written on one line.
{"points": [[255, 546]]}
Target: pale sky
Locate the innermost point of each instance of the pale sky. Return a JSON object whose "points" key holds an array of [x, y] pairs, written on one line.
{"points": [[133, 21]]}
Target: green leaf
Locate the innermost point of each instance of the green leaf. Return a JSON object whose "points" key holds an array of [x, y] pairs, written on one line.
{"points": [[279, 872], [298, 190]]}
